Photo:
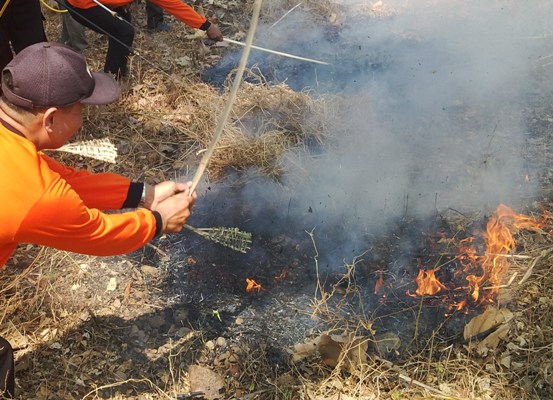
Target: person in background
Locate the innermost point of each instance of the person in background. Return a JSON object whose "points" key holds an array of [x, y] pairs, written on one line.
{"points": [[121, 32], [47, 203], [21, 24], [72, 33], [154, 17]]}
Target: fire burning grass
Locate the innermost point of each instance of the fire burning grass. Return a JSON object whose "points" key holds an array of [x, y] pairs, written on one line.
{"points": [[253, 286], [48, 299], [354, 343], [475, 278]]}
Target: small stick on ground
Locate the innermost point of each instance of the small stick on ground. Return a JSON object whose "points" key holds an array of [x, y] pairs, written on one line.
{"points": [[285, 14]]}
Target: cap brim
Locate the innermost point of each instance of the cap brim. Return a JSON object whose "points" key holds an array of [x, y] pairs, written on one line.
{"points": [[106, 90]]}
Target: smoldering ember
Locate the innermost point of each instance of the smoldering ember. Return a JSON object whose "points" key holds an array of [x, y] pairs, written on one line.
{"points": [[373, 222]]}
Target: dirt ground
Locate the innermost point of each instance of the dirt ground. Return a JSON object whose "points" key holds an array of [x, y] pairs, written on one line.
{"points": [[175, 320], [131, 326]]}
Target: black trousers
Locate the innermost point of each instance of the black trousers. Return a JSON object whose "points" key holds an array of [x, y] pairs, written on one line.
{"points": [[154, 14], [120, 34], [7, 372], [21, 25]]}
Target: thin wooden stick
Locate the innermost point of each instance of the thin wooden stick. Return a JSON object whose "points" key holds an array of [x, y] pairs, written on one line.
{"points": [[288, 12], [528, 272], [431, 389], [530, 269], [410, 380], [502, 286], [232, 96], [277, 52], [518, 256]]}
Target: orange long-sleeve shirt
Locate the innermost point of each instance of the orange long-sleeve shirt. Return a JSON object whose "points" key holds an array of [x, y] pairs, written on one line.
{"points": [[47, 203], [180, 10]]}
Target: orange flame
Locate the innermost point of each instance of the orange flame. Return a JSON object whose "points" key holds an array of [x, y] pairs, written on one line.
{"points": [[499, 242], [480, 271], [378, 284], [459, 306], [428, 284], [252, 285]]}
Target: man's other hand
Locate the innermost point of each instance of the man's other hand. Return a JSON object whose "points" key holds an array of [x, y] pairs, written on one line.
{"points": [[161, 191], [214, 33], [175, 209]]}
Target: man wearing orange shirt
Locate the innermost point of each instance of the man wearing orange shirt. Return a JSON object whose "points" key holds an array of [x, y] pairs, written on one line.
{"points": [[44, 90], [120, 30]]}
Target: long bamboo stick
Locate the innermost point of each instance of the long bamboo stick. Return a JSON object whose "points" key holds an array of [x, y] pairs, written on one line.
{"points": [[277, 52], [222, 122], [232, 96]]}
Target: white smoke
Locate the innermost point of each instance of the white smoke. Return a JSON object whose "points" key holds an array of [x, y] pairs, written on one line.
{"points": [[434, 118]]}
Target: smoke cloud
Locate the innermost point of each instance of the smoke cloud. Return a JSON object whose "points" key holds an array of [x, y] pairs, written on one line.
{"points": [[435, 97]]}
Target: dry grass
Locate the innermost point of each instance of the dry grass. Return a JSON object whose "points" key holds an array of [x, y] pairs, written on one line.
{"points": [[56, 311], [68, 326], [519, 368], [324, 11], [43, 310], [266, 122]]}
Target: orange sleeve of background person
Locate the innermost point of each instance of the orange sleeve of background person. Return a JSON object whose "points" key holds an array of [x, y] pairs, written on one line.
{"points": [[182, 12], [39, 206], [177, 8]]}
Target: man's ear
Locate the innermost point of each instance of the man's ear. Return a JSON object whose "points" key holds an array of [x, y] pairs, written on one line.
{"points": [[49, 119]]}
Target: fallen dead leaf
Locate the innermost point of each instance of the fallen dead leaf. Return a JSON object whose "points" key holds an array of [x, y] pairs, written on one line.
{"points": [[149, 270], [489, 319], [306, 349], [491, 341], [112, 285], [346, 351], [205, 380]]}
